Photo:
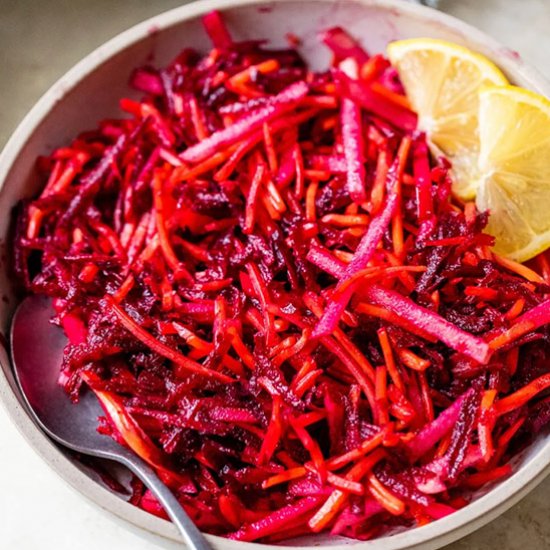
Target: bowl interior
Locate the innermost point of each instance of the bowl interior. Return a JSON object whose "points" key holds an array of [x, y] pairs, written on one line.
{"points": [[90, 92]]}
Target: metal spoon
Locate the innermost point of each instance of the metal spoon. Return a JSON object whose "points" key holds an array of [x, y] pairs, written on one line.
{"points": [[37, 352]]}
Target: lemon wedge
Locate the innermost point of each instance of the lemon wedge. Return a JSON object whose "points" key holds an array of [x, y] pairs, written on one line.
{"points": [[514, 163], [442, 81]]}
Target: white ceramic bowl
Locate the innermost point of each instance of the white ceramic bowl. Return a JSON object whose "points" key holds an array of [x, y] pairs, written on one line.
{"points": [[90, 92]]}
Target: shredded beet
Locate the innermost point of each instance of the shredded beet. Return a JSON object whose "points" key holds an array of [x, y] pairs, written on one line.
{"points": [[282, 308]]}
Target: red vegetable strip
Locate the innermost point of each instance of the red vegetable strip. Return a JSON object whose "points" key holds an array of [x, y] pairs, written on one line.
{"points": [[74, 328], [335, 463], [380, 385], [343, 45], [374, 273], [431, 433], [273, 522], [238, 345], [376, 103], [310, 201], [249, 142], [217, 31], [312, 448], [273, 433], [314, 304], [229, 507], [299, 171], [185, 174], [379, 185], [192, 339], [477, 480], [352, 141], [515, 310], [423, 180], [531, 320], [277, 106], [372, 237], [162, 232], [324, 260], [364, 382], [374, 67], [485, 425], [328, 163], [543, 265], [263, 295], [430, 322]]}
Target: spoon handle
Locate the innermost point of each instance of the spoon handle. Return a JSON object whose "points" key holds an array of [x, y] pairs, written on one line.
{"points": [[192, 537]]}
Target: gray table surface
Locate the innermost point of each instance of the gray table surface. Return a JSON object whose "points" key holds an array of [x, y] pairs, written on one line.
{"points": [[39, 41]]}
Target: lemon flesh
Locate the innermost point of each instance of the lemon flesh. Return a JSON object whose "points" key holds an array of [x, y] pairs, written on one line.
{"points": [[514, 163], [442, 81]]}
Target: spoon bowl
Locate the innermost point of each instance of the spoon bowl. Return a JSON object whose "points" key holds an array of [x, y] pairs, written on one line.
{"points": [[37, 353]]}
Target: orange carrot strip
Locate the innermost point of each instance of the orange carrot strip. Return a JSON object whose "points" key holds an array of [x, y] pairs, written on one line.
{"points": [[124, 289], [338, 498], [273, 434], [485, 425], [250, 212], [521, 269], [379, 186], [398, 99], [390, 361], [164, 241], [285, 477], [337, 462], [522, 396], [310, 201], [411, 360], [515, 310], [270, 149], [345, 220], [162, 349], [243, 77], [197, 120], [384, 497]]}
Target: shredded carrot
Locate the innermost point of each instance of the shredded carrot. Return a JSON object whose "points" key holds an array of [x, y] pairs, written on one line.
{"points": [[162, 349], [389, 501], [270, 149], [250, 216], [390, 361], [411, 360], [197, 119], [521, 269], [515, 310]]}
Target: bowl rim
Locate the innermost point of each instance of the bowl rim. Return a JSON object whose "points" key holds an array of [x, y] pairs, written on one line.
{"points": [[481, 511]]}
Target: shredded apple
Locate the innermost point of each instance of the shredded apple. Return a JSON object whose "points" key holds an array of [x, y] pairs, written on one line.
{"points": [[266, 280]]}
